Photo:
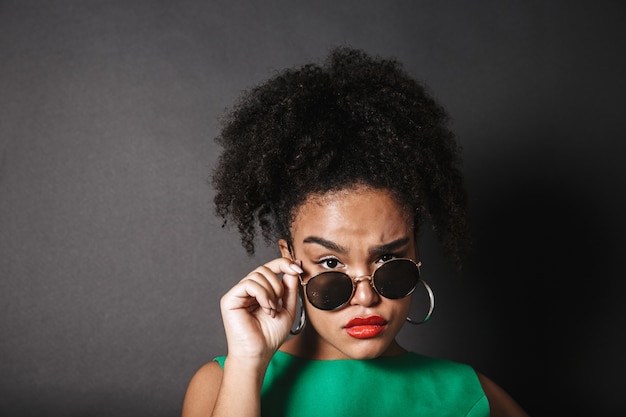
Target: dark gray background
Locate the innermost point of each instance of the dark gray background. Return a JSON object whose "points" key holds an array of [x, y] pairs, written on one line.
{"points": [[112, 263]]}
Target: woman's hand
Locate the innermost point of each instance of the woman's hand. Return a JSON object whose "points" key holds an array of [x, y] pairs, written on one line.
{"points": [[259, 311]]}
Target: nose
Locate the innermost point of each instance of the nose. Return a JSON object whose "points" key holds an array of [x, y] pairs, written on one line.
{"points": [[364, 293]]}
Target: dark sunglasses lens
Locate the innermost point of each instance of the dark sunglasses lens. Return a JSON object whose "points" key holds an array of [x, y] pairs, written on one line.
{"points": [[329, 290], [396, 278]]}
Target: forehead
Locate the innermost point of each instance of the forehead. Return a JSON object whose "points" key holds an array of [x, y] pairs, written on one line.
{"points": [[353, 212]]}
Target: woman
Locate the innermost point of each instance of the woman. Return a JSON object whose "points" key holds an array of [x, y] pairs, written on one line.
{"points": [[342, 165]]}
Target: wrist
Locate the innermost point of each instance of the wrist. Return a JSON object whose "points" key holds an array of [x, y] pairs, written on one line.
{"points": [[246, 367]]}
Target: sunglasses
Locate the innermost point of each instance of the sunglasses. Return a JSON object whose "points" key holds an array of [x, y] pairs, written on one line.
{"points": [[331, 290]]}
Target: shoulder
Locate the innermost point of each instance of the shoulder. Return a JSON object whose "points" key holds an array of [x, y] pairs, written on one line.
{"points": [[209, 372], [202, 389], [500, 402]]}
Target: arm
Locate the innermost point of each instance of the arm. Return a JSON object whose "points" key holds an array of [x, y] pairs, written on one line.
{"points": [[230, 391], [257, 313], [500, 402], [202, 390]]}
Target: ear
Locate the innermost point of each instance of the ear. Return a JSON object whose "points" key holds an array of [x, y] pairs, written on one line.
{"points": [[284, 249]]}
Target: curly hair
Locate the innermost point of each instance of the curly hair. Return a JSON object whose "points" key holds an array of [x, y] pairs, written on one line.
{"points": [[356, 119]]}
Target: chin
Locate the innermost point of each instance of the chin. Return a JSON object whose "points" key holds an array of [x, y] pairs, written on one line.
{"points": [[368, 349]]}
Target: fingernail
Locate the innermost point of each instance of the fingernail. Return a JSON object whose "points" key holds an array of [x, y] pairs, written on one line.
{"points": [[294, 267], [272, 304]]}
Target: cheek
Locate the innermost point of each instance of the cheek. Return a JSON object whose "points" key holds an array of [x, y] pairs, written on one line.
{"points": [[397, 311], [318, 319], [402, 307]]}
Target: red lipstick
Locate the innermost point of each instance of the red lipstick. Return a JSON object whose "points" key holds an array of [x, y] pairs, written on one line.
{"points": [[365, 327]]}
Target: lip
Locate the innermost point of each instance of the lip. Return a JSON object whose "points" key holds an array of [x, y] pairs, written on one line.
{"points": [[365, 327]]}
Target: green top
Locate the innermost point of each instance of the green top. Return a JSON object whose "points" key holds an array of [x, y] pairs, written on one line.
{"points": [[406, 385]]}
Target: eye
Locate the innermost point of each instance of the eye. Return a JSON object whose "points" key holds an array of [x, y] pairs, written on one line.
{"points": [[386, 257], [329, 263]]}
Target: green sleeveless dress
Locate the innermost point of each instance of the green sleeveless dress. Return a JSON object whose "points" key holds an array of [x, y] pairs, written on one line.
{"points": [[406, 385]]}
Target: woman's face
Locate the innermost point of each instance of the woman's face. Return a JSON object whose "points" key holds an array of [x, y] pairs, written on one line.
{"points": [[352, 231]]}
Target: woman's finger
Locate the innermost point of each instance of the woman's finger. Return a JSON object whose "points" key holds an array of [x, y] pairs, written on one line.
{"points": [[250, 293], [270, 271]]}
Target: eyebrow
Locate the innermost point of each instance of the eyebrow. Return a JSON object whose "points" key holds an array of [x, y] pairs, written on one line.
{"points": [[326, 243], [389, 247], [376, 250]]}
